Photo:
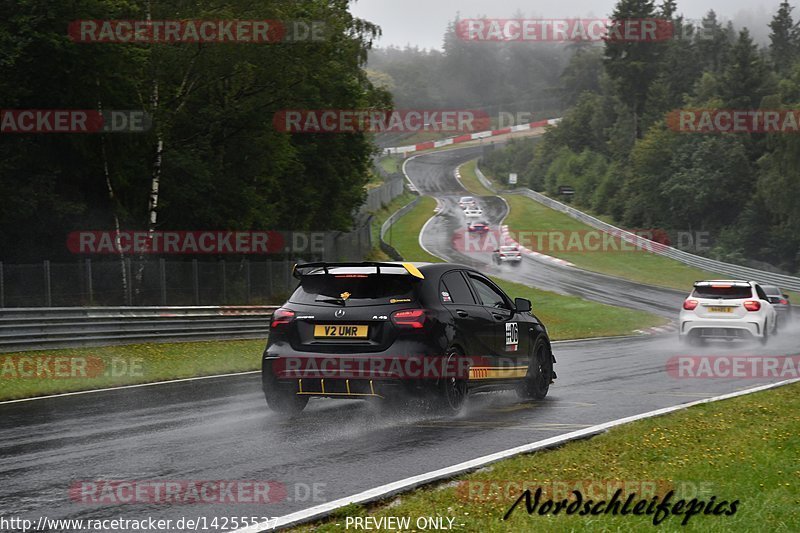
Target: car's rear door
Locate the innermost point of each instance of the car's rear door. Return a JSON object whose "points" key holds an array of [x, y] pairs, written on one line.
{"points": [[474, 325]]}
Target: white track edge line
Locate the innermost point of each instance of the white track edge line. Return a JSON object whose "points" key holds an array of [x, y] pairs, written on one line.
{"points": [[321, 511], [136, 386]]}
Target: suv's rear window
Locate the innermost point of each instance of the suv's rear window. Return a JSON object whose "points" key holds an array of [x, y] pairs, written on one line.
{"points": [[364, 289], [726, 293]]}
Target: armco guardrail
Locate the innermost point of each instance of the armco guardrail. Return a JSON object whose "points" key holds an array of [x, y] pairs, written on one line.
{"points": [[60, 327], [387, 248], [750, 274]]}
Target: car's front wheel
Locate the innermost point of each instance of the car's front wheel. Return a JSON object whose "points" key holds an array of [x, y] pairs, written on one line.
{"points": [[540, 372]]}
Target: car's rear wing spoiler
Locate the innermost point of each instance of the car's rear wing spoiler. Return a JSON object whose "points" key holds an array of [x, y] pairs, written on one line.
{"points": [[301, 270], [722, 284]]}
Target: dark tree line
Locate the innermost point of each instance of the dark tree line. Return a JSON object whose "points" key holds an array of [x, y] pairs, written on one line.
{"points": [[616, 148], [213, 151]]}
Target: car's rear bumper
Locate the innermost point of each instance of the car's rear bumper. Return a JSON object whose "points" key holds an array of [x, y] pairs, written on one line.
{"points": [[720, 329]]}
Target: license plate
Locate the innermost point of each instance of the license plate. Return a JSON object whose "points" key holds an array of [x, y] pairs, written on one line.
{"points": [[721, 309], [341, 331]]}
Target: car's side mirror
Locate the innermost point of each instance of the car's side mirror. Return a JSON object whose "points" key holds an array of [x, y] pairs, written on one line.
{"points": [[522, 305]]}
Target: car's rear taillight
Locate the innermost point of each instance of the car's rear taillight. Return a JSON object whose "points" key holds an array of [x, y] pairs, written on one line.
{"points": [[752, 305], [690, 305], [410, 318], [783, 301], [281, 317]]}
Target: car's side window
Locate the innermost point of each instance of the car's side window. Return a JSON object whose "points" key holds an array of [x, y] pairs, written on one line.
{"points": [[489, 296], [761, 294], [454, 289]]}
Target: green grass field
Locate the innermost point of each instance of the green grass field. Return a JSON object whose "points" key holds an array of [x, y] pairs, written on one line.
{"points": [[24, 374], [741, 449], [470, 180], [566, 317], [528, 219]]}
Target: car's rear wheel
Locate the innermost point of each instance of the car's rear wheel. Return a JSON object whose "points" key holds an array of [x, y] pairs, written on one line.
{"points": [[452, 391], [540, 372], [285, 402], [765, 338]]}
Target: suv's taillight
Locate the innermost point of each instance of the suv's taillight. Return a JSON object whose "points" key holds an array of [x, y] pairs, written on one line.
{"points": [[783, 301], [411, 318], [752, 305], [281, 316], [690, 305]]}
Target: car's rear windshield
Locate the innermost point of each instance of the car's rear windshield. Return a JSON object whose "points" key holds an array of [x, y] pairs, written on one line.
{"points": [[508, 248], [771, 290], [359, 289], [726, 293]]}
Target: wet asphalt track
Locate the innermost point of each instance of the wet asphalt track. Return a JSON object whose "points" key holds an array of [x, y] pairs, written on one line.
{"points": [[220, 429]]}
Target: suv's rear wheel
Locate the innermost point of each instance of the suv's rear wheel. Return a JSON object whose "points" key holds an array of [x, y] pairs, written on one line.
{"points": [[765, 338], [540, 372]]}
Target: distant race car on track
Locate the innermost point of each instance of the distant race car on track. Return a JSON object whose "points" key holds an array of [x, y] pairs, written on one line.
{"points": [[396, 331], [725, 309], [507, 254], [466, 201], [473, 212], [478, 227]]}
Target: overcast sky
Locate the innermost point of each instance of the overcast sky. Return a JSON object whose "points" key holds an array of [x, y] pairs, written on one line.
{"points": [[423, 22]]}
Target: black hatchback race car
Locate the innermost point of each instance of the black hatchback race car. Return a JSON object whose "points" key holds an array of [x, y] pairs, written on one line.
{"points": [[399, 330]]}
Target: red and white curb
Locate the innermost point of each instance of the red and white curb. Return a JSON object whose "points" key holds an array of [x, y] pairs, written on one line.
{"points": [[468, 137], [504, 235]]}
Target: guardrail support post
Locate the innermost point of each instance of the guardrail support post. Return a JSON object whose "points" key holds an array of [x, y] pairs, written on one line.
{"points": [[224, 282], [269, 277], [129, 285], [162, 280], [89, 286], [48, 295], [196, 282], [247, 281], [2, 287]]}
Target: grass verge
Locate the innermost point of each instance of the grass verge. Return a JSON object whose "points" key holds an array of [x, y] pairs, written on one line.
{"points": [[703, 452], [528, 217], [470, 180], [566, 317], [38, 373]]}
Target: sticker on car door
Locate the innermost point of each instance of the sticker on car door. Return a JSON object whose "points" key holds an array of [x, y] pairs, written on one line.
{"points": [[512, 336]]}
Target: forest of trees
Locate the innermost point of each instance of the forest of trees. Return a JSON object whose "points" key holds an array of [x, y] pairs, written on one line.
{"points": [[615, 148], [217, 159], [492, 76]]}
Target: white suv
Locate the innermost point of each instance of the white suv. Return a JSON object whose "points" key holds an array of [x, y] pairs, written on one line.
{"points": [[725, 309]]}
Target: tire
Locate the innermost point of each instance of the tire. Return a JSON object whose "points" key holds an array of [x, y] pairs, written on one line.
{"points": [[285, 402], [451, 393], [765, 338], [536, 383]]}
